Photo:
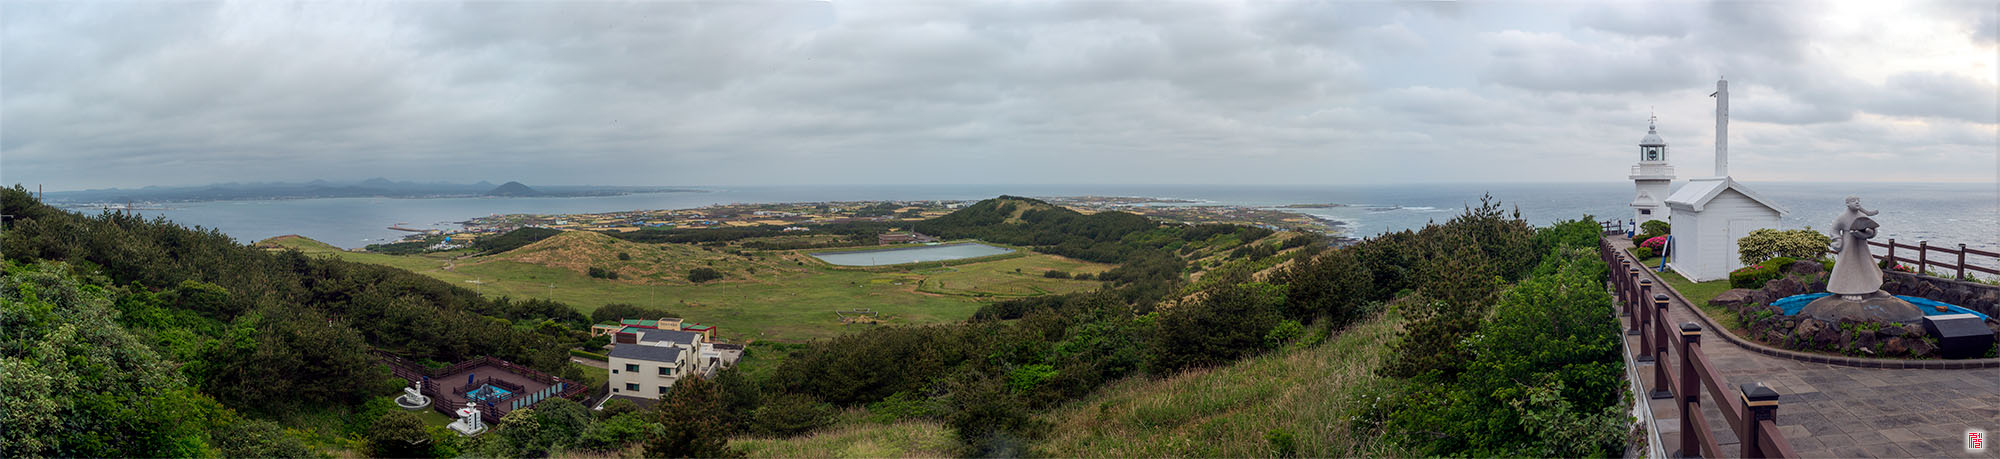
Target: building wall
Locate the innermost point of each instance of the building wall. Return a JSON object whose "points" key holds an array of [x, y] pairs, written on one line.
{"points": [[1707, 238], [1659, 191], [648, 377]]}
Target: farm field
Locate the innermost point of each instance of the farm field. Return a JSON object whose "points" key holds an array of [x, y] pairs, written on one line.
{"points": [[766, 295]]}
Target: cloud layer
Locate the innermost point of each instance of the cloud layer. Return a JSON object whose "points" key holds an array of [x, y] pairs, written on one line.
{"points": [[796, 91]]}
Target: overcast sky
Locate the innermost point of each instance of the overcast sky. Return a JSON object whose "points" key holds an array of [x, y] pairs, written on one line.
{"points": [[109, 94]]}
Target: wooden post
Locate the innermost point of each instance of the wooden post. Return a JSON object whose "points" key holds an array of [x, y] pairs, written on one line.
{"points": [[1690, 390], [1961, 262], [1632, 310], [1892, 252], [1660, 388], [1759, 404], [1644, 326], [1923, 255]]}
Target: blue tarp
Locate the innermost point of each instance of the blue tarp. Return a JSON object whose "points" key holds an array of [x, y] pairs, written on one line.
{"points": [[1792, 305]]}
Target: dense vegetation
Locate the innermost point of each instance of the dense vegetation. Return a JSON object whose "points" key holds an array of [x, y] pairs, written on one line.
{"points": [[512, 239]]}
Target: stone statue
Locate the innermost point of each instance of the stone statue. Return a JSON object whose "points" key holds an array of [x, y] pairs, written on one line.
{"points": [[1856, 283], [1854, 270]]}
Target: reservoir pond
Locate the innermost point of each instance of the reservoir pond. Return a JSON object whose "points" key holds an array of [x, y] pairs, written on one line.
{"points": [[918, 254]]}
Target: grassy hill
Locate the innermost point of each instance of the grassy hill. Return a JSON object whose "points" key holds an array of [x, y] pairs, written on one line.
{"points": [[1234, 410], [782, 295]]}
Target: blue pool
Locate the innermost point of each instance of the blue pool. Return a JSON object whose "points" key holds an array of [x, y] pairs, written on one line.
{"points": [[1795, 303], [488, 393], [917, 254]]}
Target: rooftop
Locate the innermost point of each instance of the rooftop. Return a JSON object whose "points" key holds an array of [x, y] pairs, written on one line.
{"points": [[654, 334], [645, 352]]}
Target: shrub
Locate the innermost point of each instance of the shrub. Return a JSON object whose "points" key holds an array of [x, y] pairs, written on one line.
{"points": [[1656, 227], [1642, 253], [622, 256], [1753, 276], [1655, 243], [792, 414], [588, 355], [700, 275], [1055, 274], [1764, 244], [1083, 276]]}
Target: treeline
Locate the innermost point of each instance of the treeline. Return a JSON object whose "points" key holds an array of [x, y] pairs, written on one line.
{"points": [[511, 240], [272, 331]]}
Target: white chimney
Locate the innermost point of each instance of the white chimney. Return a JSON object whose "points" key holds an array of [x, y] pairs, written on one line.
{"points": [[1721, 127]]}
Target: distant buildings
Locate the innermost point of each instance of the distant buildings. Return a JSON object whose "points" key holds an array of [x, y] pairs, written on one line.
{"points": [[896, 237]]}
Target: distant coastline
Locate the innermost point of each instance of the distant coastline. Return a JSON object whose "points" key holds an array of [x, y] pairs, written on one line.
{"points": [[115, 198]]}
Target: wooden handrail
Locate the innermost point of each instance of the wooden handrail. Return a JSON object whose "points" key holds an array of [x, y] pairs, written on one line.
{"points": [[1924, 261], [1752, 420]]}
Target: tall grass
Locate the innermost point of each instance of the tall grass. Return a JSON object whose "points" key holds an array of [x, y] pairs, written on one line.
{"points": [[903, 439], [1296, 402]]}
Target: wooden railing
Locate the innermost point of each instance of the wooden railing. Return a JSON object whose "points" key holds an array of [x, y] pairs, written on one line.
{"points": [[1612, 226], [1753, 414], [1924, 260]]}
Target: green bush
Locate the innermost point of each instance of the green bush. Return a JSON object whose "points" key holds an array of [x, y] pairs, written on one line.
{"points": [[588, 355], [700, 275], [1752, 277], [791, 414], [1055, 274], [1764, 244], [622, 256], [1656, 227], [1642, 253]]}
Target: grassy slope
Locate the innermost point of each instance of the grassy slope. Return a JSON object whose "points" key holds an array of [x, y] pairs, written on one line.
{"points": [[790, 297], [1227, 411], [904, 439]]}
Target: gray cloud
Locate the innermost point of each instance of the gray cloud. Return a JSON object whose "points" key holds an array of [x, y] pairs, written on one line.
{"points": [[116, 94]]}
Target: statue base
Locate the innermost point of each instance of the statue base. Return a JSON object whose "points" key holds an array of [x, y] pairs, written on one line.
{"points": [[1878, 306]]}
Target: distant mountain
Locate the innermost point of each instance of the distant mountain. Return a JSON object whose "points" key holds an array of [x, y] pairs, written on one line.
{"points": [[371, 188], [513, 189]]}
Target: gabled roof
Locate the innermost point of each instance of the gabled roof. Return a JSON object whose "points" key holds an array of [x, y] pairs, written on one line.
{"points": [[645, 352], [1698, 192]]}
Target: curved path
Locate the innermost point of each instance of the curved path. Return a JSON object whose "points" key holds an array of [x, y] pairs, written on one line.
{"points": [[1840, 411]]}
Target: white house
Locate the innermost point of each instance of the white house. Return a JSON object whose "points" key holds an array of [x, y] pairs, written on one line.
{"points": [[1651, 177], [649, 366], [1710, 214]]}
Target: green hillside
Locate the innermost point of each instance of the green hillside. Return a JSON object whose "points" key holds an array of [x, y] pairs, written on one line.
{"points": [[1245, 409]]}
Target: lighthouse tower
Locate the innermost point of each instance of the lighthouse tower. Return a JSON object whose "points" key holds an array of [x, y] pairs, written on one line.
{"points": [[1651, 177]]}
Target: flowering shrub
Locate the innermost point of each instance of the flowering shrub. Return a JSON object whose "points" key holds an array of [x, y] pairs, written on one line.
{"points": [[1902, 268], [1765, 244], [1754, 276], [1655, 243]]}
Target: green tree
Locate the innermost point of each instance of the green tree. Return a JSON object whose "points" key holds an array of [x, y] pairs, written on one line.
{"points": [[689, 423], [791, 414], [398, 434], [700, 275]]}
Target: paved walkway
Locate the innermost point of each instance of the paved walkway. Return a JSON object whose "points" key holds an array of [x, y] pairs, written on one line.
{"points": [[1839, 411]]}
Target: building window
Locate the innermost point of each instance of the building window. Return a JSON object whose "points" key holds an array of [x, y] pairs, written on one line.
{"points": [[663, 389], [631, 386], [631, 367], [1645, 211], [665, 371]]}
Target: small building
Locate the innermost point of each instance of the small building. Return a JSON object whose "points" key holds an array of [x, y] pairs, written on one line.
{"points": [[707, 331], [1710, 214], [897, 237]]}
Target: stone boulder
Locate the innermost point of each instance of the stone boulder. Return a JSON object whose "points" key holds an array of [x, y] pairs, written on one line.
{"points": [[1817, 285], [1897, 346], [1921, 348], [1809, 328], [1892, 331], [1782, 287], [1806, 268], [1734, 298]]}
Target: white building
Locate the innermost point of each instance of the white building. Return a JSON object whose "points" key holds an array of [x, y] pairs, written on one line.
{"points": [[649, 366], [1710, 214], [1652, 177]]}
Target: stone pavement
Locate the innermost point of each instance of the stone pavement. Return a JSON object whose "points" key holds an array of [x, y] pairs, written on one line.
{"points": [[1839, 411]]}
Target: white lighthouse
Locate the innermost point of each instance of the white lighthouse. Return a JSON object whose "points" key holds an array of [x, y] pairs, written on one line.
{"points": [[1651, 177]]}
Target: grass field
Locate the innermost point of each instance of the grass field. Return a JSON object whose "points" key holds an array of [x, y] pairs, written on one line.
{"points": [[904, 439], [1228, 411], [781, 295]]}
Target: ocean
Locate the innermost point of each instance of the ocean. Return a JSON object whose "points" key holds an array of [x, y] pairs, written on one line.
{"points": [[1944, 214]]}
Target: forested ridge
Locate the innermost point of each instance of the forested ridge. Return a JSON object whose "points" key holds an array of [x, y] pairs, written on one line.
{"points": [[214, 346]]}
